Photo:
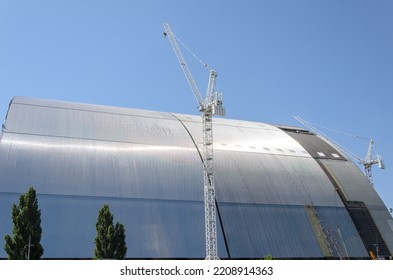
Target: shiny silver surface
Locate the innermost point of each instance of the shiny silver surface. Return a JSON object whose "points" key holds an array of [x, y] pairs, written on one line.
{"points": [[271, 179], [256, 231], [147, 166]]}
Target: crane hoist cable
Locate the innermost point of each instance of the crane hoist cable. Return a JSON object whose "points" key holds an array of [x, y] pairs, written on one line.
{"points": [[191, 52], [340, 132]]}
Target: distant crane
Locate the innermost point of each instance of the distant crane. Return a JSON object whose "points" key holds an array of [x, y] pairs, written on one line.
{"points": [[367, 162], [211, 105]]}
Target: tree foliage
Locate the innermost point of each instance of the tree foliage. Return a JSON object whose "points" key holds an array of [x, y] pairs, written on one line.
{"points": [[110, 240], [26, 217]]}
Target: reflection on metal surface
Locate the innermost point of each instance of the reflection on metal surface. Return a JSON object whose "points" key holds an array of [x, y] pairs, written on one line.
{"points": [[94, 147], [147, 167]]}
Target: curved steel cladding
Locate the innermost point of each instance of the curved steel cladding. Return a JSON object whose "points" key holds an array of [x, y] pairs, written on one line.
{"points": [[146, 166], [78, 157]]}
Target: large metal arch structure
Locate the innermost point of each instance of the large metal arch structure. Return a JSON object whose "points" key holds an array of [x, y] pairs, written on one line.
{"points": [[280, 191]]}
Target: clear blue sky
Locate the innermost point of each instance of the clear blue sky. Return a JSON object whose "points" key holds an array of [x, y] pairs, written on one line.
{"points": [[330, 61]]}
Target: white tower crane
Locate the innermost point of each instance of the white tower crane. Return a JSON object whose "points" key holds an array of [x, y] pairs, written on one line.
{"points": [[367, 162], [211, 105]]}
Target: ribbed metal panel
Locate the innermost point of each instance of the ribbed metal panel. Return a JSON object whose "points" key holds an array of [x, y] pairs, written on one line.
{"points": [[316, 146], [341, 232], [255, 231], [95, 168], [87, 123], [237, 136], [147, 167], [356, 187], [27, 101], [143, 164], [367, 229], [272, 179], [354, 184], [154, 228]]}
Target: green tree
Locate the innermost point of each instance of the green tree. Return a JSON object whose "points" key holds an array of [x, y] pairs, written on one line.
{"points": [[110, 240], [26, 217]]}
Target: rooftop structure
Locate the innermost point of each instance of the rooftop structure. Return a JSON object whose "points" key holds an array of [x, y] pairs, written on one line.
{"points": [[280, 191]]}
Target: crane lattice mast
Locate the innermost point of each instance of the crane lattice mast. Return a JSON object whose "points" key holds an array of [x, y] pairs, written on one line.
{"points": [[211, 105]]}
